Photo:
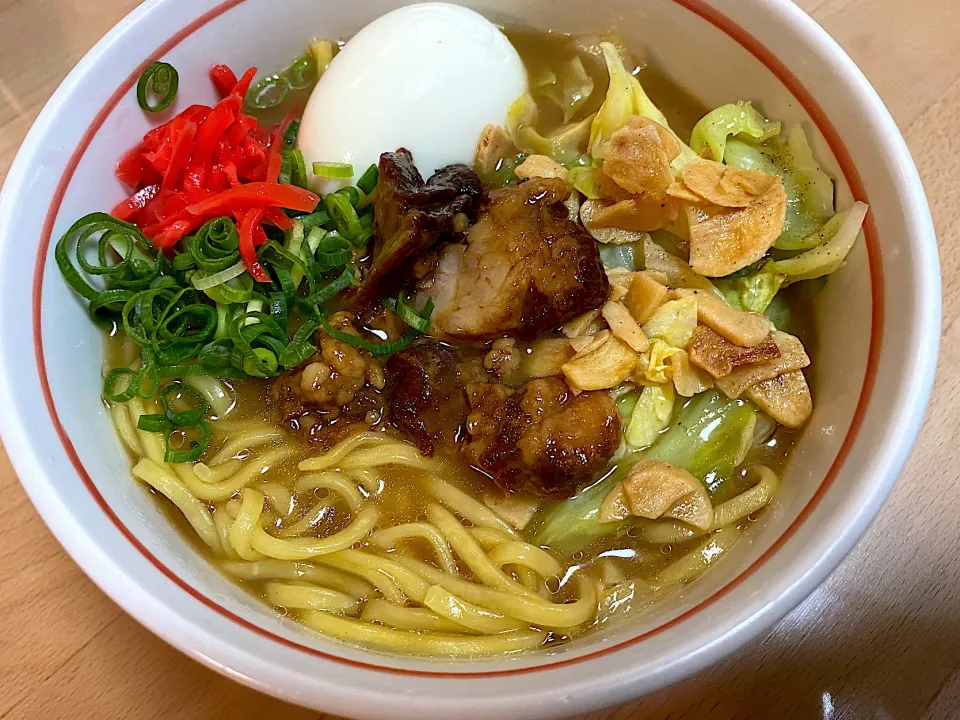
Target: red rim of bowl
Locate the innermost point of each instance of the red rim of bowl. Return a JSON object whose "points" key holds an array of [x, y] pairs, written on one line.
{"points": [[706, 12]]}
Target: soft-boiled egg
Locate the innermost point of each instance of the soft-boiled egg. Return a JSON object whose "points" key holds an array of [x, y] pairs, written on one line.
{"points": [[425, 77]]}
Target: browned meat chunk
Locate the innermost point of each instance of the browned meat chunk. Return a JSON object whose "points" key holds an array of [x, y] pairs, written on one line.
{"points": [[412, 214], [427, 400], [541, 438], [331, 380], [526, 267]]}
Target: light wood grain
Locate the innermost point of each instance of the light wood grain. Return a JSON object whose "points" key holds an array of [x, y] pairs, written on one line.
{"points": [[880, 639]]}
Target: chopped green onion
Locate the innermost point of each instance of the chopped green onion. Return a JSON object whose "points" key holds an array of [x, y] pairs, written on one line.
{"points": [[332, 251], [159, 79], [418, 321], [314, 219], [183, 418], [197, 447], [253, 307], [114, 388], [302, 73], [328, 291], [367, 217], [351, 194], [171, 322], [268, 93], [290, 134], [215, 246], [214, 392], [278, 257], [333, 170], [134, 271], [368, 181], [222, 331], [300, 347], [286, 169], [365, 234], [184, 261], [294, 245], [343, 214], [264, 356], [376, 349], [238, 290], [154, 423], [313, 239], [299, 171], [205, 282]]}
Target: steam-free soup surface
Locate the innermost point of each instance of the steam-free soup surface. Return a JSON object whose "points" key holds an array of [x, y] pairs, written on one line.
{"points": [[581, 426]]}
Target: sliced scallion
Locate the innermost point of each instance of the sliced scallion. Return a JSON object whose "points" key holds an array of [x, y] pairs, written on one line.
{"points": [[302, 73], [196, 449], [314, 219], [154, 423], [374, 348], [290, 134], [268, 93], [334, 170], [343, 214], [161, 80], [205, 282], [330, 289], [368, 181], [417, 320]]}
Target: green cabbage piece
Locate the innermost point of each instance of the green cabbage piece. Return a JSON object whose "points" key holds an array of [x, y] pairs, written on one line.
{"points": [[730, 291], [572, 524], [809, 190], [737, 120], [778, 312], [584, 179], [705, 439], [576, 87], [625, 97], [626, 403], [566, 145], [673, 322], [829, 256], [569, 90], [622, 256], [819, 236], [757, 291], [650, 415]]}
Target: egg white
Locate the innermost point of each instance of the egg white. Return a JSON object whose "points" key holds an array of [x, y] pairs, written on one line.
{"points": [[425, 77]]}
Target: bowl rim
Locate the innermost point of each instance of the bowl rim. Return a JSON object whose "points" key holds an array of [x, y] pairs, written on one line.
{"points": [[795, 588]]}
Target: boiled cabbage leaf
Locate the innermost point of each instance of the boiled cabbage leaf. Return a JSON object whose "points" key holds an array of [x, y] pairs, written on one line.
{"points": [[650, 415], [620, 256], [778, 312], [829, 256], [584, 179], [738, 119], [757, 291], [809, 190], [576, 86], [566, 145], [706, 439], [625, 97]]}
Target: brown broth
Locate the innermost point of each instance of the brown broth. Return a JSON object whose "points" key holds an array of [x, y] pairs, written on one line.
{"points": [[403, 497]]}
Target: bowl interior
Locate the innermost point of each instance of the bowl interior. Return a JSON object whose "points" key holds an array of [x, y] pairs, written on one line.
{"points": [[210, 617]]}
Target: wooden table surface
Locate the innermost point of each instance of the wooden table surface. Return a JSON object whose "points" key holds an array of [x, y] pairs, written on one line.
{"points": [[879, 640]]}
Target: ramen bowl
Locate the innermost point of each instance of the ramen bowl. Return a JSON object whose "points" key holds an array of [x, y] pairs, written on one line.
{"points": [[878, 331]]}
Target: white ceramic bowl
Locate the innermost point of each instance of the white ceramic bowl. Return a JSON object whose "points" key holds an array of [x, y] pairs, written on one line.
{"points": [[879, 330]]}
